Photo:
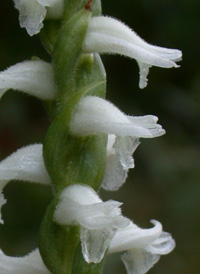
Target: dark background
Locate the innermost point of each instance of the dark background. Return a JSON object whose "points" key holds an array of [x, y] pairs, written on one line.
{"points": [[165, 185]]}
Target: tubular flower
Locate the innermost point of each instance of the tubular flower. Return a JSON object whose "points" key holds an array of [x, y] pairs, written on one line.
{"points": [[32, 77], [29, 264], [108, 35], [80, 205], [143, 246], [33, 12], [26, 164], [93, 115]]}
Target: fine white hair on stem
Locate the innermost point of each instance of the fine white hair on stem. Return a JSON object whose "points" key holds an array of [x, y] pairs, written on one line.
{"points": [[29, 264], [32, 77], [109, 35], [26, 164]]}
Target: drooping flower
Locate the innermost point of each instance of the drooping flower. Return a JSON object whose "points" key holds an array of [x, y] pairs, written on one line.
{"points": [[108, 35], [32, 77], [33, 12], [143, 246], [80, 205], [29, 264], [94, 115], [26, 164]]}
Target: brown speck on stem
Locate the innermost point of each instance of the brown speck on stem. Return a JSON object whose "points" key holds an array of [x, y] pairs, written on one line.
{"points": [[88, 5]]}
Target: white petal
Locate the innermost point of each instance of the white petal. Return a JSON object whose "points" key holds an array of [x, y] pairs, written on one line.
{"points": [[139, 261], [95, 243], [114, 27], [108, 35], [94, 115], [163, 245], [143, 246], [25, 164], [29, 264], [31, 15], [119, 160], [81, 205], [32, 77], [103, 43], [147, 120], [133, 236]]}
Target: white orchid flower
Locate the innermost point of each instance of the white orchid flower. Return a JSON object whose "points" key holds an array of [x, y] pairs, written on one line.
{"points": [[143, 246], [33, 12], [108, 35], [94, 115], [29, 264], [26, 164], [32, 77], [80, 205]]}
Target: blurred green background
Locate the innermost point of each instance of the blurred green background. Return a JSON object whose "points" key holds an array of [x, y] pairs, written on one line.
{"points": [[165, 185]]}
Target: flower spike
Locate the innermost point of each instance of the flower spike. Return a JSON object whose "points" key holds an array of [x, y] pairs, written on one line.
{"points": [[93, 115], [26, 164], [32, 77], [143, 246], [33, 12], [80, 205], [29, 264], [108, 35]]}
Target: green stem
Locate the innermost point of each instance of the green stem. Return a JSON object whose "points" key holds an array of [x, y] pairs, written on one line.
{"points": [[70, 159]]}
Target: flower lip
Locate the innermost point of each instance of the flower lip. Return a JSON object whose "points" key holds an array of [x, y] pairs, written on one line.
{"points": [[33, 12], [134, 237]]}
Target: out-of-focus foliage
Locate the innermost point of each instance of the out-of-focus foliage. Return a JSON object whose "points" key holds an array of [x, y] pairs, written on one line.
{"points": [[165, 185]]}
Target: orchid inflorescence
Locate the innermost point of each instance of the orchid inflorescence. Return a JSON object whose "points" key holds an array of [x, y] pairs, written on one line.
{"points": [[89, 144]]}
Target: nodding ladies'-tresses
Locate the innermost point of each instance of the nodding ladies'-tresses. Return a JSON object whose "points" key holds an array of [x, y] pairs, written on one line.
{"points": [[88, 145]]}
